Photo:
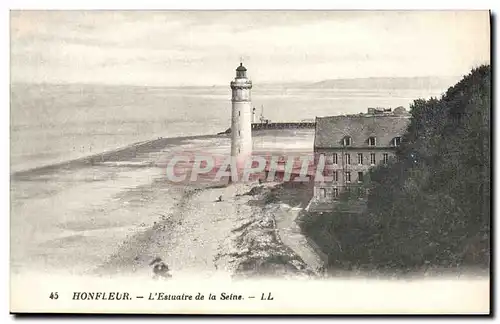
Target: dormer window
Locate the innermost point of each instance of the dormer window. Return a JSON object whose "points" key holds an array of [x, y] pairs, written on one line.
{"points": [[372, 141], [346, 141], [397, 141]]}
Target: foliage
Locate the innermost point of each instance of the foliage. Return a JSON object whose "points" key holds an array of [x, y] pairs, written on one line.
{"points": [[431, 205]]}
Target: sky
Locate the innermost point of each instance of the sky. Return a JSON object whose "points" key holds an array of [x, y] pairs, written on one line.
{"points": [[179, 48]]}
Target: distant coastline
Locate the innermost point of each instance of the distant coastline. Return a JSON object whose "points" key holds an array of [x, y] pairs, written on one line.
{"points": [[414, 83]]}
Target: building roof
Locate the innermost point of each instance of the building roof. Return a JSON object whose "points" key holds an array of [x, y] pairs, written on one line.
{"points": [[330, 131], [241, 68]]}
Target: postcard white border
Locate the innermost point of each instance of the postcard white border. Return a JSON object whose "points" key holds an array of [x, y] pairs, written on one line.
{"points": [[148, 4]]}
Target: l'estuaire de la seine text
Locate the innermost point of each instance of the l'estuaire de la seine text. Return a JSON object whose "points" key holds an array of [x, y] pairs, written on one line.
{"points": [[124, 296]]}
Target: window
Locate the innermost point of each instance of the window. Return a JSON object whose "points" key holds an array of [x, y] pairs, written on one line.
{"points": [[322, 192], [335, 175], [347, 158], [372, 141], [335, 158], [360, 158], [397, 141], [347, 141], [348, 176], [372, 158], [360, 176], [335, 192], [386, 158], [239, 113]]}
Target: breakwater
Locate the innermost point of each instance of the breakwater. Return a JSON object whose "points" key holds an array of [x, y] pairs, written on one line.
{"points": [[282, 125]]}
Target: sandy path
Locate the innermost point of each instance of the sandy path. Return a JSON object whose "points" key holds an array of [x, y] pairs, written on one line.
{"points": [[205, 232], [190, 237], [291, 235]]}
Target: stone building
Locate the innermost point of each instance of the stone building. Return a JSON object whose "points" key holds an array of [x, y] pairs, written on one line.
{"points": [[351, 145]]}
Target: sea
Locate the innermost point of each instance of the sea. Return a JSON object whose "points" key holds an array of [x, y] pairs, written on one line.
{"points": [[53, 123]]}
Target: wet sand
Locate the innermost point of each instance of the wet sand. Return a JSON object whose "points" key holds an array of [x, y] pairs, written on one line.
{"points": [[113, 215], [188, 237]]}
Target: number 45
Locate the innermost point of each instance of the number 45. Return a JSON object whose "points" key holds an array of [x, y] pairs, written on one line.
{"points": [[54, 295]]}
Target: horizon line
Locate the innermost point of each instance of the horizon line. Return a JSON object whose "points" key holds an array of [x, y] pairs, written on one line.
{"points": [[224, 84]]}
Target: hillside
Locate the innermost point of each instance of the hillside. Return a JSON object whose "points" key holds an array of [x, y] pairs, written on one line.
{"points": [[416, 83], [429, 208]]}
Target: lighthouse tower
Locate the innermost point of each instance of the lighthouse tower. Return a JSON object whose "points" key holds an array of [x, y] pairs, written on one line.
{"points": [[241, 120]]}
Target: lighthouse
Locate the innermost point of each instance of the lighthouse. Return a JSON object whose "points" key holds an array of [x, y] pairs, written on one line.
{"points": [[241, 119]]}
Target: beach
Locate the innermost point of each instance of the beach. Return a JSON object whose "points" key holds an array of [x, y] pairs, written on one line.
{"points": [[111, 214]]}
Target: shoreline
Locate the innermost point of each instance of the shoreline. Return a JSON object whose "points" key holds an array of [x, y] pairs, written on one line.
{"points": [[130, 151], [103, 196], [238, 237], [117, 154]]}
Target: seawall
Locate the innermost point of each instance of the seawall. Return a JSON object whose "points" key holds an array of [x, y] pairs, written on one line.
{"points": [[284, 125]]}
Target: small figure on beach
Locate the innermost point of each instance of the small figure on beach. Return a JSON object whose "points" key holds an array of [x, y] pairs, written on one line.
{"points": [[220, 198], [322, 271], [160, 269]]}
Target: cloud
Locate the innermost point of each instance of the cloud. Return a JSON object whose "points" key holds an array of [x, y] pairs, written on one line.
{"points": [[192, 47]]}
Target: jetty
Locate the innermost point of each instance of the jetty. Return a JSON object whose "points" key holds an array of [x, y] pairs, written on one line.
{"points": [[278, 125]]}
